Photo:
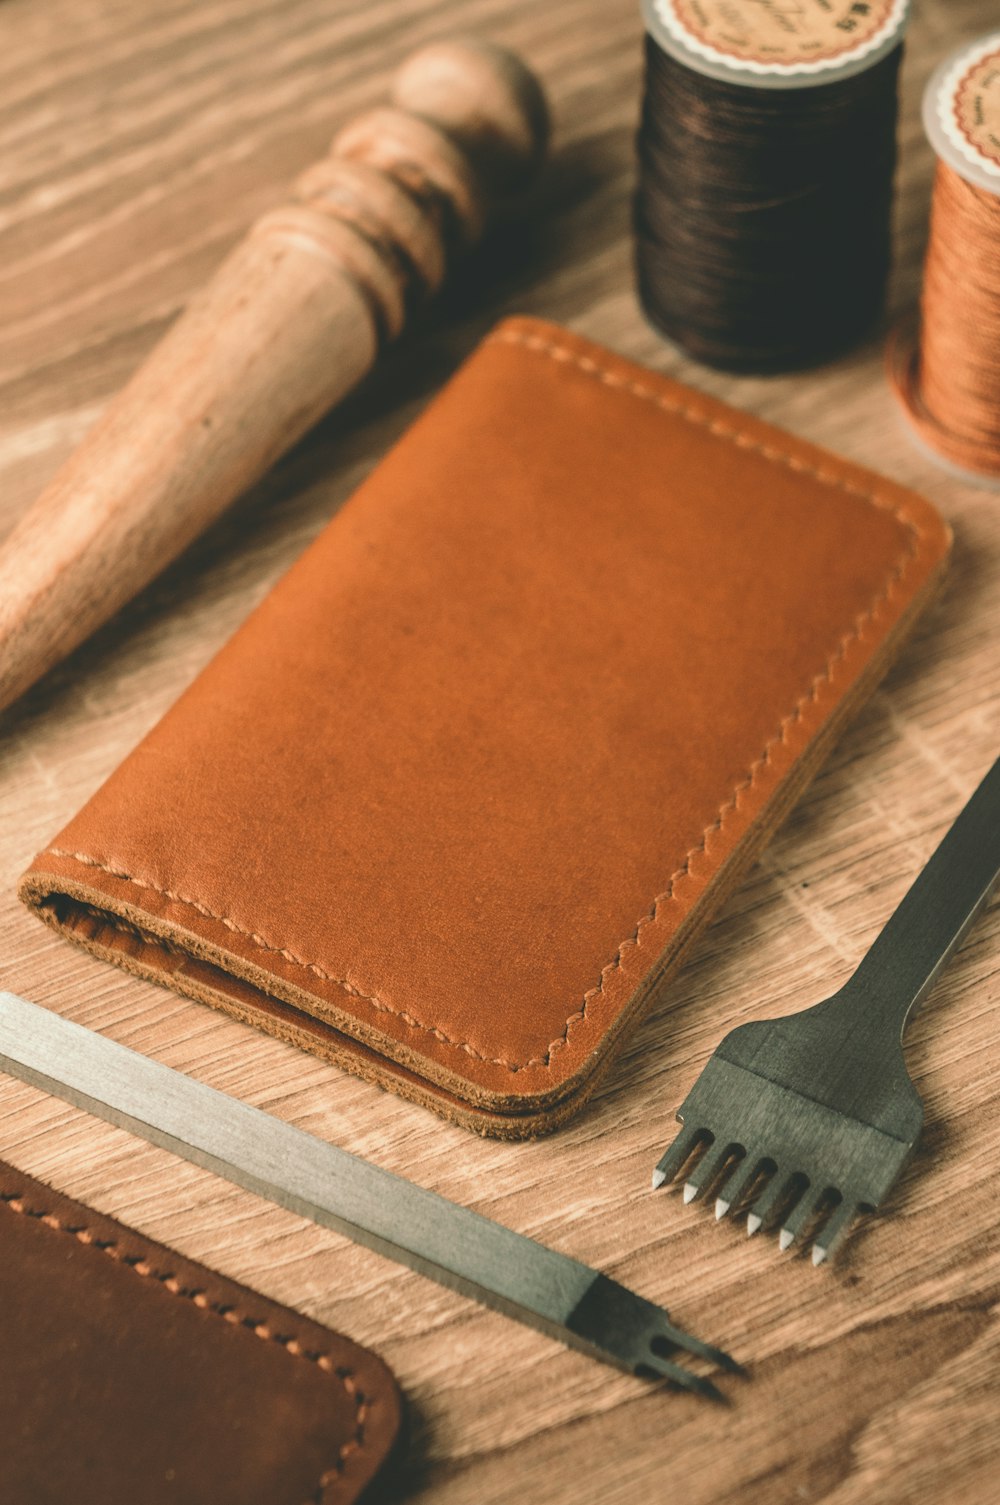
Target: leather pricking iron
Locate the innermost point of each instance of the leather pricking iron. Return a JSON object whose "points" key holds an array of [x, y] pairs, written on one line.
{"points": [[813, 1117]]}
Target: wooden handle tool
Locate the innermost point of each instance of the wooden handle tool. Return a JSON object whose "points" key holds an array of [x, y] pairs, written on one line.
{"points": [[291, 322]]}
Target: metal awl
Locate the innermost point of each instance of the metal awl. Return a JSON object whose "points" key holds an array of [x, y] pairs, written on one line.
{"points": [[413, 1226]]}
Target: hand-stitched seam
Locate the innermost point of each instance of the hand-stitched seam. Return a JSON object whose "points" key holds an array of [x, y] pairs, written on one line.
{"points": [[168, 1280], [743, 440], [265, 945], [696, 416]]}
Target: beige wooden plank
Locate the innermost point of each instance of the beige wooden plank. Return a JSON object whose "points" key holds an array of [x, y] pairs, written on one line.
{"points": [[135, 145]]}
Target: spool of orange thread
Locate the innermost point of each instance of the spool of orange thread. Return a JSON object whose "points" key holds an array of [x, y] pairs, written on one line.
{"points": [[948, 380]]}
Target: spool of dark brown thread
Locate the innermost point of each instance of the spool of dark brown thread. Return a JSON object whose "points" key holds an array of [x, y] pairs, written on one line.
{"points": [[767, 153]]}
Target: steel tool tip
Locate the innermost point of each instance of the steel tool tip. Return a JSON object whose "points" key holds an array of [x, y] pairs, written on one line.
{"points": [[715, 1355], [785, 1239], [819, 1254], [683, 1378], [753, 1223], [707, 1389], [721, 1208], [658, 1178], [690, 1191], [724, 1360]]}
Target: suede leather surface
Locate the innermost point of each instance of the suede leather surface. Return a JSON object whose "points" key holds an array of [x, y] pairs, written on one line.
{"points": [[131, 1376], [451, 803]]}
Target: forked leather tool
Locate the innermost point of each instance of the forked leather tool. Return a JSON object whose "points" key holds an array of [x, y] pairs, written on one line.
{"points": [[814, 1116], [450, 1244]]}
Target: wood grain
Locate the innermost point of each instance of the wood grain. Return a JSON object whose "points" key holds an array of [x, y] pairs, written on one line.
{"points": [[292, 321], [136, 145]]}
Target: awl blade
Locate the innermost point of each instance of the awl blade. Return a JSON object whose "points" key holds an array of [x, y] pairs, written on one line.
{"points": [[407, 1223]]}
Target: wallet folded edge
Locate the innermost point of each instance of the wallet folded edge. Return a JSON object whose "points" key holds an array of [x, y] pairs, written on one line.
{"points": [[537, 1099], [517, 1117]]}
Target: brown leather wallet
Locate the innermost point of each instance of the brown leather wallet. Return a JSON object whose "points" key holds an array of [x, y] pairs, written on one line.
{"points": [[131, 1376], [449, 806]]}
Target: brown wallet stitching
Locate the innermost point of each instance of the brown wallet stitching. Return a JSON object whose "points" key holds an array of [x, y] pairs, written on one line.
{"points": [[261, 1330], [694, 416], [690, 415]]}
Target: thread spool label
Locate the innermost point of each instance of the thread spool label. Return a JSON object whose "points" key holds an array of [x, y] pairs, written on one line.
{"points": [[968, 108], [783, 38]]}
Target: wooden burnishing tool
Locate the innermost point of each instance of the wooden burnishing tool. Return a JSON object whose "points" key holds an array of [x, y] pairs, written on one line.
{"points": [[291, 322]]}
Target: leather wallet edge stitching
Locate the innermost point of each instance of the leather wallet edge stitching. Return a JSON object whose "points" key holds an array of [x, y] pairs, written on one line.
{"points": [[591, 368], [738, 437], [15, 1203]]}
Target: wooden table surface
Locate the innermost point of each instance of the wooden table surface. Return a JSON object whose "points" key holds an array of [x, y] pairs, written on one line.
{"points": [[136, 143]]}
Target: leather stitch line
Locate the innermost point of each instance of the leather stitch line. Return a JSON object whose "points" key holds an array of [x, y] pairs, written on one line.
{"points": [[83, 1234], [695, 416], [298, 961], [744, 441]]}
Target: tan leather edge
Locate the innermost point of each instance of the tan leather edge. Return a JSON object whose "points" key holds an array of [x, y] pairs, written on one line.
{"points": [[60, 901], [365, 1378]]}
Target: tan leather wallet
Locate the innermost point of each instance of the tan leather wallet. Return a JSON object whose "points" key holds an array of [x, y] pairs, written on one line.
{"points": [[133, 1376], [451, 803]]}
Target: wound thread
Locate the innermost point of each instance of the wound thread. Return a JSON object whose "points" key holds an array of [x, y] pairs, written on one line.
{"points": [[763, 209], [949, 379]]}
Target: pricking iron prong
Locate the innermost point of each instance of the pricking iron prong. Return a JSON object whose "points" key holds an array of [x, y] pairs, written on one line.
{"points": [[804, 1209], [675, 1156], [637, 1335], [833, 1230], [737, 1184], [707, 1171], [684, 1340], [766, 1201], [683, 1378]]}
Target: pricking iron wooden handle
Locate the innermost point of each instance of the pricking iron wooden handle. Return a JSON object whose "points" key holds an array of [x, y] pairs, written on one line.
{"points": [[290, 323]]}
